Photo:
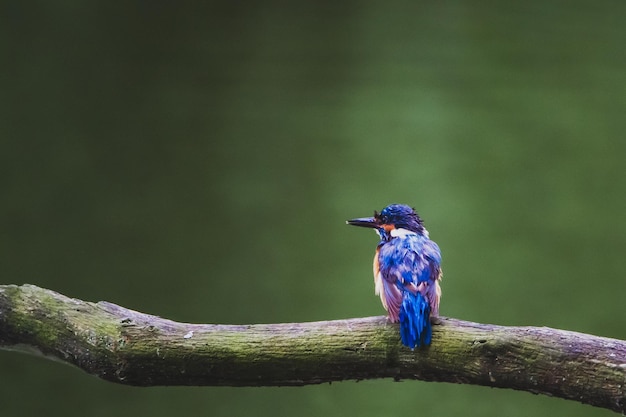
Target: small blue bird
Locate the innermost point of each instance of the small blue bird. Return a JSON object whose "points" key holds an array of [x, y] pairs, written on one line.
{"points": [[407, 271]]}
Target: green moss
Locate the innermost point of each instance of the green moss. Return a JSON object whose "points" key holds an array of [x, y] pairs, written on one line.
{"points": [[29, 317]]}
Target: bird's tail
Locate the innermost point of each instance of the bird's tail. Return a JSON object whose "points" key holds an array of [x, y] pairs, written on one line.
{"points": [[415, 328]]}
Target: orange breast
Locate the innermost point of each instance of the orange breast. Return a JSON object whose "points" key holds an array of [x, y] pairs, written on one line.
{"points": [[376, 264], [378, 281]]}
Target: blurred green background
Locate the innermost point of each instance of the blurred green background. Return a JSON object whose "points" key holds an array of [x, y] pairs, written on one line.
{"points": [[156, 154]]}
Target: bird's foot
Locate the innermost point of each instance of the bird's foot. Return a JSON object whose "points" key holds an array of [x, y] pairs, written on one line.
{"points": [[435, 320]]}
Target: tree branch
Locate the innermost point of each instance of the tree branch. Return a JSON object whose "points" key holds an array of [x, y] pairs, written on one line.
{"points": [[128, 347]]}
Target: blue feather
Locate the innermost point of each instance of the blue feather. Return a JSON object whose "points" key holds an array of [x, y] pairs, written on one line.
{"points": [[415, 327]]}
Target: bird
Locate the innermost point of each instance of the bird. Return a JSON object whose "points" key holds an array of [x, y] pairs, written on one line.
{"points": [[407, 271]]}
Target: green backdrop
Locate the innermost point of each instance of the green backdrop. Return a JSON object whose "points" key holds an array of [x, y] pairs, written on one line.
{"points": [[198, 162]]}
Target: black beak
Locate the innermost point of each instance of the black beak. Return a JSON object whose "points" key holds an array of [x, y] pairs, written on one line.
{"points": [[364, 222]]}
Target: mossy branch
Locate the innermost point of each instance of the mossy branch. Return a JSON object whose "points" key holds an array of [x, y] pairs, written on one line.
{"points": [[128, 347]]}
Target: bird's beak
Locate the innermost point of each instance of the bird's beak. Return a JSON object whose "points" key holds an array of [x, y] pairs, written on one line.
{"points": [[364, 222]]}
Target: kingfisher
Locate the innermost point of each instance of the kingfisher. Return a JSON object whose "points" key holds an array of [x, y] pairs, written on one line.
{"points": [[407, 271]]}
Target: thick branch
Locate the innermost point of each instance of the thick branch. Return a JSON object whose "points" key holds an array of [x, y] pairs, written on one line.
{"points": [[129, 347]]}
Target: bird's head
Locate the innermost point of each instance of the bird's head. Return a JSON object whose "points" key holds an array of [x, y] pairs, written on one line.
{"points": [[392, 217]]}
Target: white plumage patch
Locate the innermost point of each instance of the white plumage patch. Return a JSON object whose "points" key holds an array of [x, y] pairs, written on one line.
{"points": [[401, 233]]}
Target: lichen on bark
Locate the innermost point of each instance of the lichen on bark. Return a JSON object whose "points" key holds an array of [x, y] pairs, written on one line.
{"points": [[129, 347]]}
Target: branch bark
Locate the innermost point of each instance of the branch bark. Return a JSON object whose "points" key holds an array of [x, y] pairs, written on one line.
{"points": [[128, 347]]}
